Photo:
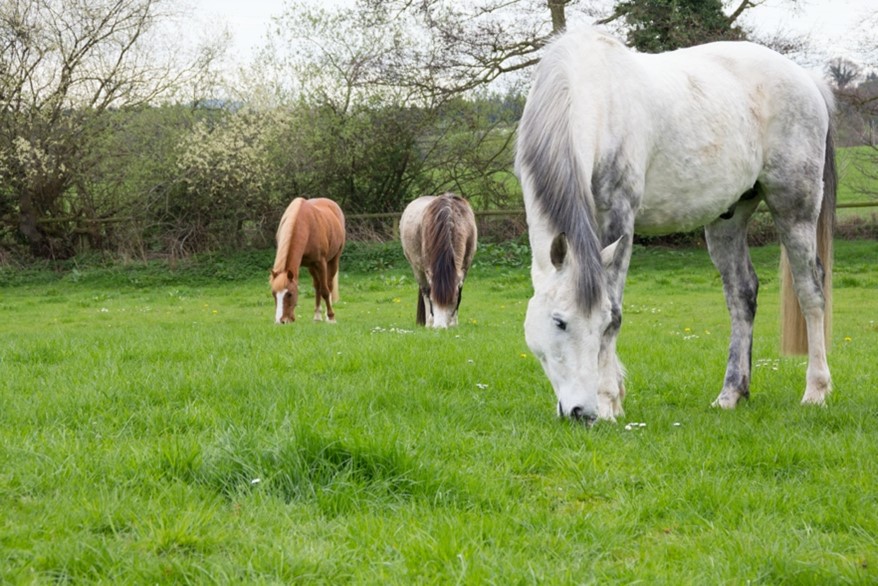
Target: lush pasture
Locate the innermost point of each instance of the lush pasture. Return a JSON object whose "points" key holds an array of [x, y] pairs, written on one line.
{"points": [[157, 427]]}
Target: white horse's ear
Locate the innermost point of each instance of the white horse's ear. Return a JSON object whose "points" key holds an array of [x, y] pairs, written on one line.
{"points": [[608, 254], [558, 250]]}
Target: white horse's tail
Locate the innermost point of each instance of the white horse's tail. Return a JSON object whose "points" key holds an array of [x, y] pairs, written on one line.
{"points": [[794, 334]]}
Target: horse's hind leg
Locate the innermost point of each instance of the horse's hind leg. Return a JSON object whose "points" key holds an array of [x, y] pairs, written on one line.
{"points": [[331, 286], [321, 291], [800, 243], [727, 244]]}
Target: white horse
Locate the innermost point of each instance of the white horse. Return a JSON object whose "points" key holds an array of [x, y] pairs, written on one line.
{"points": [[612, 142]]}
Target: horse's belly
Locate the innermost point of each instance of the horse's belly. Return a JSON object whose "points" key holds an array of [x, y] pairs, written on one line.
{"points": [[671, 210], [682, 217], [687, 191]]}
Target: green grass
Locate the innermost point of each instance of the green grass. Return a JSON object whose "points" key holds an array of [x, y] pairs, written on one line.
{"points": [[157, 427], [858, 174]]}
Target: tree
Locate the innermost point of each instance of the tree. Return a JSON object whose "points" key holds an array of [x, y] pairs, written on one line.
{"points": [[64, 65], [447, 48], [842, 72], [664, 25]]}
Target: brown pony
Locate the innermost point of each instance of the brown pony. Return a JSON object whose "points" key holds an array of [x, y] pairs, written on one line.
{"points": [[439, 237], [311, 234]]}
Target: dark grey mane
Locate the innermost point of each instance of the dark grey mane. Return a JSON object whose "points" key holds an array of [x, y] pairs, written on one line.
{"points": [[545, 150]]}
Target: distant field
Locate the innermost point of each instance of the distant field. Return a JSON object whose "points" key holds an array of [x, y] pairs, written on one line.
{"points": [[157, 427], [858, 178]]}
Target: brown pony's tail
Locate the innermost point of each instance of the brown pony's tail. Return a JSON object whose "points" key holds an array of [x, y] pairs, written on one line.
{"points": [[794, 334], [334, 292]]}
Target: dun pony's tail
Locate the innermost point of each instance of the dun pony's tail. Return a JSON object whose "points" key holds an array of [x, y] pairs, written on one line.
{"points": [[334, 292], [794, 334]]}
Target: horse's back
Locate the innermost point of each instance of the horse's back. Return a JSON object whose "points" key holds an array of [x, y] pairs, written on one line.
{"points": [[323, 228], [424, 212], [683, 133], [410, 229]]}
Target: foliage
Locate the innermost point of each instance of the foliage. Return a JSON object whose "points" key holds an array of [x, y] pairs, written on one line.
{"points": [[164, 431], [655, 26], [379, 102], [63, 67], [363, 257]]}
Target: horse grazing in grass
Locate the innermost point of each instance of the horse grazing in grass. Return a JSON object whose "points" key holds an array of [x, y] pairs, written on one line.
{"points": [[613, 142], [439, 238], [311, 234]]}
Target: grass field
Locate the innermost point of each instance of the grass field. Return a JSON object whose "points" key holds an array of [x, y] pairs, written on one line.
{"points": [[157, 427]]}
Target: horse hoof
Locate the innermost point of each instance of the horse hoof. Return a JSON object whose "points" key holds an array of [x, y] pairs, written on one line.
{"points": [[331, 320], [816, 393], [609, 407], [726, 402], [814, 399]]}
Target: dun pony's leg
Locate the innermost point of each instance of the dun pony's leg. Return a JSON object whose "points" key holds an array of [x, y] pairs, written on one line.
{"points": [[425, 306], [727, 244]]}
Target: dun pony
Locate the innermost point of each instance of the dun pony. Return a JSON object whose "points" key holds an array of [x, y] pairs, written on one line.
{"points": [[439, 239]]}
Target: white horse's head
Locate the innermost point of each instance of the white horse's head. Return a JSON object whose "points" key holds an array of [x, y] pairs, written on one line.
{"points": [[565, 337]]}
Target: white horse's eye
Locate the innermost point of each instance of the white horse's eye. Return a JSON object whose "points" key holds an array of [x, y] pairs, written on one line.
{"points": [[560, 324]]}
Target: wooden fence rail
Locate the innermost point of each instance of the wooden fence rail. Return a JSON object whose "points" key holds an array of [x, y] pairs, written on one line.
{"points": [[519, 212]]}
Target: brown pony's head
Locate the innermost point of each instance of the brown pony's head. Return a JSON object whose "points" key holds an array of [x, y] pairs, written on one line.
{"points": [[285, 290]]}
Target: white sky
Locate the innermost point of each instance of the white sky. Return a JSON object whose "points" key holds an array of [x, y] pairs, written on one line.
{"points": [[831, 23]]}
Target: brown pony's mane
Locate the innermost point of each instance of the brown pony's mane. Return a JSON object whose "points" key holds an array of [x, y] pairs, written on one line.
{"points": [[442, 236], [284, 237]]}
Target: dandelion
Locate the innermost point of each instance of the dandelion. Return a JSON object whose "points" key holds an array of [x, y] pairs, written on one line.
{"points": [[397, 300], [848, 339], [523, 355]]}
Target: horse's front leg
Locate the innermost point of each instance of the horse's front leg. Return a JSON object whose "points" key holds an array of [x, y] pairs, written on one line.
{"points": [[611, 385], [727, 245], [617, 228], [321, 291]]}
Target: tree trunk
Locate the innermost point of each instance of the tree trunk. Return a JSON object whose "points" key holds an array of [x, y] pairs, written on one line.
{"points": [[27, 224], [559, 18]]}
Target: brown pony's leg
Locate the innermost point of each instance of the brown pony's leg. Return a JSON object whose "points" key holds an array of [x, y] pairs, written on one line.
{"points": [[331, 285], [322, 290], [316, 278]]}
